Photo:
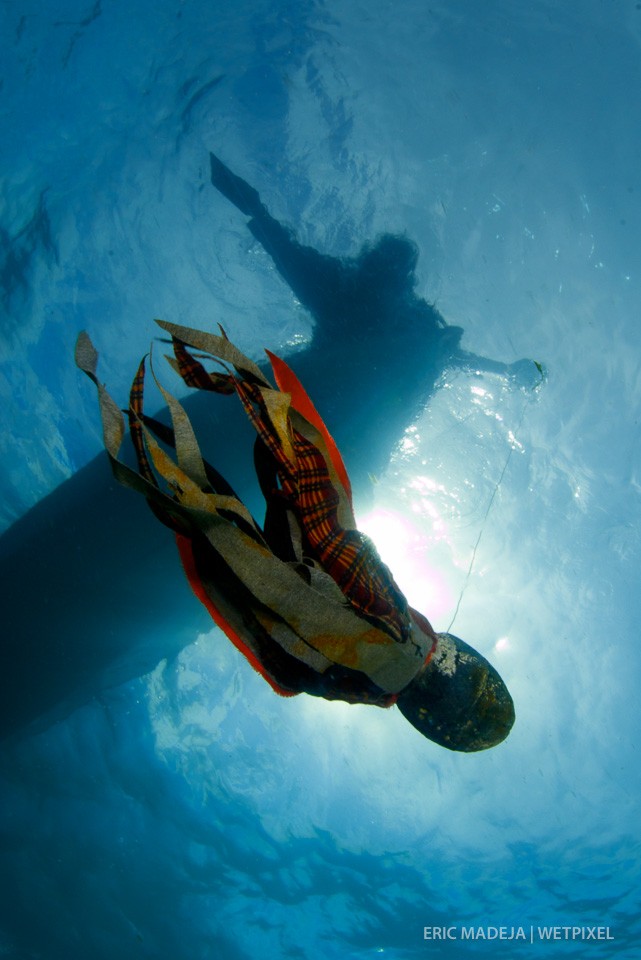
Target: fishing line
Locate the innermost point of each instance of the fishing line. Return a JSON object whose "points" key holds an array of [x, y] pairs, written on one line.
{"points": [[493, 497]]}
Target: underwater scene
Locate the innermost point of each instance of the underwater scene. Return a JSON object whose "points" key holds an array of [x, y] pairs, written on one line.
{"points": [[232, 725]]}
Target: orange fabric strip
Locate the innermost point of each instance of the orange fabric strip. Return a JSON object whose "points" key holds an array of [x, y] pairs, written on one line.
{"points": [[288, 382], [189, 566]]}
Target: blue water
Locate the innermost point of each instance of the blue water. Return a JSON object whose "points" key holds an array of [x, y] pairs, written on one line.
{"points": [[190, 813]]}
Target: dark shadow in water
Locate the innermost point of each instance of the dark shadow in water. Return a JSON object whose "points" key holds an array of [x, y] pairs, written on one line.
{"points": [[93, 592], [380, 347]]}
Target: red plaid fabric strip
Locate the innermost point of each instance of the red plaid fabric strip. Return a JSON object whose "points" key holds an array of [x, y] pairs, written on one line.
{"points": [[348, 556], [194, 374], [136, 395]]}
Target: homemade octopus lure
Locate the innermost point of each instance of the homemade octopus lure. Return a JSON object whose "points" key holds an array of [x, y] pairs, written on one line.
{"points": [[306, 598]]}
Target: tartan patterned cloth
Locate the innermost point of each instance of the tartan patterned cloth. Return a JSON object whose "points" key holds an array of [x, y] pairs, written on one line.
{"points": [[332, 622], [350, 558]]}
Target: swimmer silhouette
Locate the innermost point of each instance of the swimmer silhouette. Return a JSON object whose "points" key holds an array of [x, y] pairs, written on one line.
{"points": [[86, 613], [305, 597], [366, 312]]}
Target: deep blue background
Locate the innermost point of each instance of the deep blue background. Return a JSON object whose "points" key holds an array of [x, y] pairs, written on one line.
{"points": [[192, 814]]}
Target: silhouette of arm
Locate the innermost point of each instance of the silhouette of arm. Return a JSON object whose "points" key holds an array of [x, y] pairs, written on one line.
{"points": [[525, 373], [312, 276]]}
